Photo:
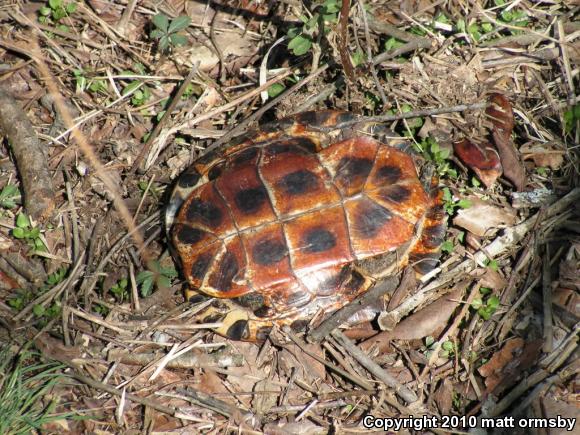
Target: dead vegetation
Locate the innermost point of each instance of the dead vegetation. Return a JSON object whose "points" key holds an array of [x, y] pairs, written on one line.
{"points": [[103, 104]]}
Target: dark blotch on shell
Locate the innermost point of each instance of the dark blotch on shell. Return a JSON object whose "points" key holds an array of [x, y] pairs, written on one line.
{"points": [[224, 273], [188, 235], [433, 236], [397, 194], [243, 156], [204, 212], [200, 265], [314, 119], [215, 172], [388, 174], [264, 312], [189, 178], [253, 300], [299, 182], [251, 200], [238, 330], [353, 167], [267, 252], [370, 218], [319, 240]]}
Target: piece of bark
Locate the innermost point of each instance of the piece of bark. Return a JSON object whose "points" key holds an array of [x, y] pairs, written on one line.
{"points": [[31, 158], [502, 117]]}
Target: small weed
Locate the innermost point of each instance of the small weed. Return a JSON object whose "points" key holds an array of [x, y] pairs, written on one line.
{"points": [[275, 90], [156, 275], [439, 156], [139, 96], [9, 196], [54, 11], [166, 32], [301, 39], [450, 204], [487, 304], [447, 246], [447, 349], [572, 119], [26, 232], [120, 290], [94, 86]]}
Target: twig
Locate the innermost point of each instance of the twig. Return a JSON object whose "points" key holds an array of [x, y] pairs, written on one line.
{"points": [[30, 156], [166, 117], [343, 41], [354, 379], [374, 368], [547, 302], [415, 44], [370, 54], [342, 315]]}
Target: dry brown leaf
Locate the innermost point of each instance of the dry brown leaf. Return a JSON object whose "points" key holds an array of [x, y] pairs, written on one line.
{"points": [[502, 117], [544, 155], [507, 364], [429, 321], [444, 396], [482, 217], [490, 278], [482, 159]]}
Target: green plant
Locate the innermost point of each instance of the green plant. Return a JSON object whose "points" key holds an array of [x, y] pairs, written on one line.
{"points": [[95, 86], [54, 11], [120, 290], [487, 304], [447, 246], [450, 204], [439, 156], [572, 118], [140, 92], [275, 90], [301, 39], [156, 275], [166, 32], [25, 231], [23, 386], [9, 195], [447, 349]]}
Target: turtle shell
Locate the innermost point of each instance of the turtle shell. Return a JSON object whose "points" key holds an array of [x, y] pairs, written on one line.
{"points": [[301, 216]]}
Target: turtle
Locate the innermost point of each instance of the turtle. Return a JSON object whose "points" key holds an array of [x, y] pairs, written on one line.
{"points": [[300, 216]]}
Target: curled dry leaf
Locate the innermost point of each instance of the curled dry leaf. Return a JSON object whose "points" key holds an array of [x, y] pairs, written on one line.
{"points": [[482, 217], [502, 117], [482, 159]]}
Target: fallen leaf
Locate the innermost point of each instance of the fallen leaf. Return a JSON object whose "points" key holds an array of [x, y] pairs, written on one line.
{"points": [[502, 117], [506, 365], [482, 159], [544, 155], [482, 217], [428, 321]]}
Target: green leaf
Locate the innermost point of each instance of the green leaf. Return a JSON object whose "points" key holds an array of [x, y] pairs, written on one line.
{"points": [[447, 246], [300, 45], [484, 290], [477, 303], [156, 34], [38, 310], [179, 23], [146, 287], [164, 43], [22, 221], [71, 7], [177, 40], [448, 346], [275, 90], [493, 302], [161, 22], [131, 86], [9, 195], [143, 276], [493, 265], [358, 58], [18, 233], [34, 233], [487, 27], [163, 282], [460, 26], [45, 11], [55, 4], [464, 203], [429, 341]]}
